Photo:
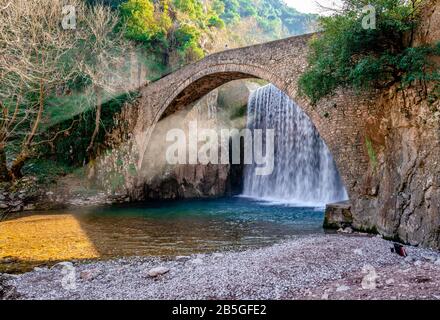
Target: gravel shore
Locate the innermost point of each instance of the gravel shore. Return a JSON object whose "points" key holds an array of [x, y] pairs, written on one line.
{"points": [[308, 267]]}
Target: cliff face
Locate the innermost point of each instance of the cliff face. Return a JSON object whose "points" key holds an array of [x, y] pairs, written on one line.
{"points": [[399, 196], [400, 193], [429, 30]]}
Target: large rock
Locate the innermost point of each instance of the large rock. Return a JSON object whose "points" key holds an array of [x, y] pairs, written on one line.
{"points": [[338, 215]]}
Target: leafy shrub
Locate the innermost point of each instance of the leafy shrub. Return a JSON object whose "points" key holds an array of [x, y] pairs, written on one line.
{"points": [[46, 170], [140, 21], [347, 54], [215, 21]]}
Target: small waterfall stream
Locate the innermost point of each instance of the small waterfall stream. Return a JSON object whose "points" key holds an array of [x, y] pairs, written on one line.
{"points": [[304, 170]]}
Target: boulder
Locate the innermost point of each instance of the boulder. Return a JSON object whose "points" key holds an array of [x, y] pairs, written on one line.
{"points": [[338, 215]]}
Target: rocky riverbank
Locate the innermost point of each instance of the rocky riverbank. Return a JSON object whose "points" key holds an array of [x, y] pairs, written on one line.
{"points": [[70, 191], [309, 267]]}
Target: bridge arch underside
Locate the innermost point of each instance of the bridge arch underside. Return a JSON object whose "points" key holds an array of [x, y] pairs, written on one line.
{"points": [[200, 84], [199, 88]]}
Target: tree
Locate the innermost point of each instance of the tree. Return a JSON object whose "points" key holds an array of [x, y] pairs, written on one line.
{"points": [[40, 60], [34, 60], [231, 11], [101, 56], [139, 17], [170, 31], [193, 8], [361, 55]]}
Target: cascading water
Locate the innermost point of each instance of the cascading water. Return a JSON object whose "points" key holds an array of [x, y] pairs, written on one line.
{"points": [[304, 170]]}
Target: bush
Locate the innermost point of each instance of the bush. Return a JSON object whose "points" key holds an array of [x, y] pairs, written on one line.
{"points": [[216, 22], [140, 21], [349, 55]]}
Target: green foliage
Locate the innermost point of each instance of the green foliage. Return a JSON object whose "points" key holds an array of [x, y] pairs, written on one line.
{"points": [[371, 152], [171, 31], [140, 21], [247, 8], [231, 12], [415, 63], [216, 22], [218, 6], [272, 25], [272, 16], [46, 170], [186, 37], [349, 55], [193, 8]]}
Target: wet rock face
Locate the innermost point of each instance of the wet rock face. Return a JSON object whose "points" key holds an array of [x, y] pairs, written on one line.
{"points": [[185, 181], [189, 181]]}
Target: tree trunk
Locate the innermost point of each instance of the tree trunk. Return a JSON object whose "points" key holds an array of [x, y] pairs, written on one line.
{"points": [[18, 165], [98, 92], [4, 172], [36, 124], [25, 149]]}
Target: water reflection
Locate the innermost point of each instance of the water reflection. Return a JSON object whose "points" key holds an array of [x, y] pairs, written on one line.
{"points": [[159, 228], [185, 227]]}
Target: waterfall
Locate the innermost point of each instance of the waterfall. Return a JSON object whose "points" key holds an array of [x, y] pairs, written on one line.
{"points": [[304, 170]]}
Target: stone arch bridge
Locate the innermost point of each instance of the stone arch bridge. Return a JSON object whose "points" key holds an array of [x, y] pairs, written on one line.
{"points": [[279, 62], [374, 139]]}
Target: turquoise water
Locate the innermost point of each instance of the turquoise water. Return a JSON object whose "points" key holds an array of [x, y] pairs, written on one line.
{"points": [[192, 226]]}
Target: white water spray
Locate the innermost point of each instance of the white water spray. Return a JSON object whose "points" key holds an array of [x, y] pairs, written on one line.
{"points": [[304, 170]]}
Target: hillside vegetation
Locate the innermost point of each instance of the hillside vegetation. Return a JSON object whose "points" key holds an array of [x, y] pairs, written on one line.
{"points": [[177, 32], [58, 96]]}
